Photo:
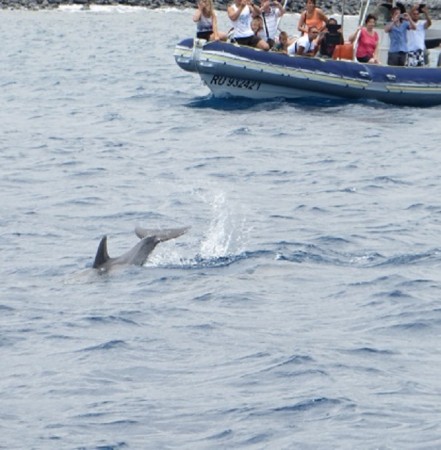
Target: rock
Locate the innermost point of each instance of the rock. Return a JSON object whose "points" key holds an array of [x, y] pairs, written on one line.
{"points": [[293, 6]]}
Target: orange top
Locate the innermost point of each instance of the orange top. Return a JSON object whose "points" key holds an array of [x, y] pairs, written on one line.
{"points": [[315, 20]]}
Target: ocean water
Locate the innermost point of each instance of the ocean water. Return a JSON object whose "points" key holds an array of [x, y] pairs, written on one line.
{"points": [[302, 310]]}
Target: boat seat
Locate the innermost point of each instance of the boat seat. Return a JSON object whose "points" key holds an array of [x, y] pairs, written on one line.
{"points": [[343, 51]]}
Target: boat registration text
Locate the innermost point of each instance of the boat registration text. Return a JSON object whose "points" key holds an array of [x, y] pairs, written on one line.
{"points": [[235, 83]]}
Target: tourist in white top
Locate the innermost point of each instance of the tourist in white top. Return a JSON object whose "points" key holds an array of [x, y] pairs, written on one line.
{"points": [[241, 13], [271, 12], [305, 45], [416, 38]]}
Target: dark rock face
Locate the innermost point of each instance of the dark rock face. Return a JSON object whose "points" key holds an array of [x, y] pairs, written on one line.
{"points": [[328, 6]]}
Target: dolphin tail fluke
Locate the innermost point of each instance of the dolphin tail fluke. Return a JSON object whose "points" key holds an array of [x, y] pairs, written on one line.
{"points": [[161, 235], [101, 255]]}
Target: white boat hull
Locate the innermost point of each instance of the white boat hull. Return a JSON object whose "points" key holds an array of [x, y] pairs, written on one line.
{"points": [[230, 70], [223, 87]]}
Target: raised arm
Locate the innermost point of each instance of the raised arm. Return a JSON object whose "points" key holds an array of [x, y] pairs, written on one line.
{"points": [[215, 30], [198, 13], [255, 10], [280, 7], [322, 16], [233, 13], [377, 51], [428, 19], [302, 27], [395, 20], [412, 25]]}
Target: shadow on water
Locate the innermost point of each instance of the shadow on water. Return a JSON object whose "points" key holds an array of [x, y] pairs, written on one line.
{"points": [[233, 103], [305, 103]]}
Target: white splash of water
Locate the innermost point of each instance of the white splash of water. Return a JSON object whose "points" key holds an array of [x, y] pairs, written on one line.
{"points": [[224, 236]]}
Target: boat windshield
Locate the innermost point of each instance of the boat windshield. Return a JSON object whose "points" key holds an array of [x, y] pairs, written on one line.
{"points": [[380, 9], [382, 12]]}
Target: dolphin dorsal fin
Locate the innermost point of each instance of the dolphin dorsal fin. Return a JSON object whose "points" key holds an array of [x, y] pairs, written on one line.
{"points": [[101, 255]]}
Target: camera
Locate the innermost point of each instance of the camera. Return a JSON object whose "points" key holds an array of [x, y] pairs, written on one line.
{"points": [[421, 7], [333, 28]]}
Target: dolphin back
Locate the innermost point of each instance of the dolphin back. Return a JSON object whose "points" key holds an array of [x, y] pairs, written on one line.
{"points": [[160, 235], [139, 253]]}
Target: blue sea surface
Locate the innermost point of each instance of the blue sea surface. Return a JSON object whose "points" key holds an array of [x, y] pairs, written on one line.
{"points": [[301, 311]]}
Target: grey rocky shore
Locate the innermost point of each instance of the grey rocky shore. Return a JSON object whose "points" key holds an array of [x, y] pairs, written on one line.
{"points": [[329, 6]]}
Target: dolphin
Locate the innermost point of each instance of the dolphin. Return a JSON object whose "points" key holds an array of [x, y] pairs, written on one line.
{"points": [[139, 253]]}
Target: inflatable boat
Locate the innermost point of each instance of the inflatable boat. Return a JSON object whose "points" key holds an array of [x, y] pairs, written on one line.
{"points": [[228, 69]]}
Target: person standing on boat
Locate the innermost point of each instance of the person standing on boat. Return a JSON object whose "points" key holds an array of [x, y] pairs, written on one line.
{"points": [[305, 45], [397, 29], [312, 16], [271, 12], [416, 38], [367, 44], [206, 22], [241, 12]]}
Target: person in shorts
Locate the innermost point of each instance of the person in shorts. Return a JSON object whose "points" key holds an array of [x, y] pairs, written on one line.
{"points": [[416, 38], [206, 22], [241, 13], [271, 12]]}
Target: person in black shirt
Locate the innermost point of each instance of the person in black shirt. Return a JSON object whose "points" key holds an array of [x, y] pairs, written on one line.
{"points": [[330, 37]]}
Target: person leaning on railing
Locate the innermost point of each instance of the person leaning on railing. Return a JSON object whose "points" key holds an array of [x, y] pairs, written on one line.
{"points": [[283, 44], [305, 45], [368, 41]]}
